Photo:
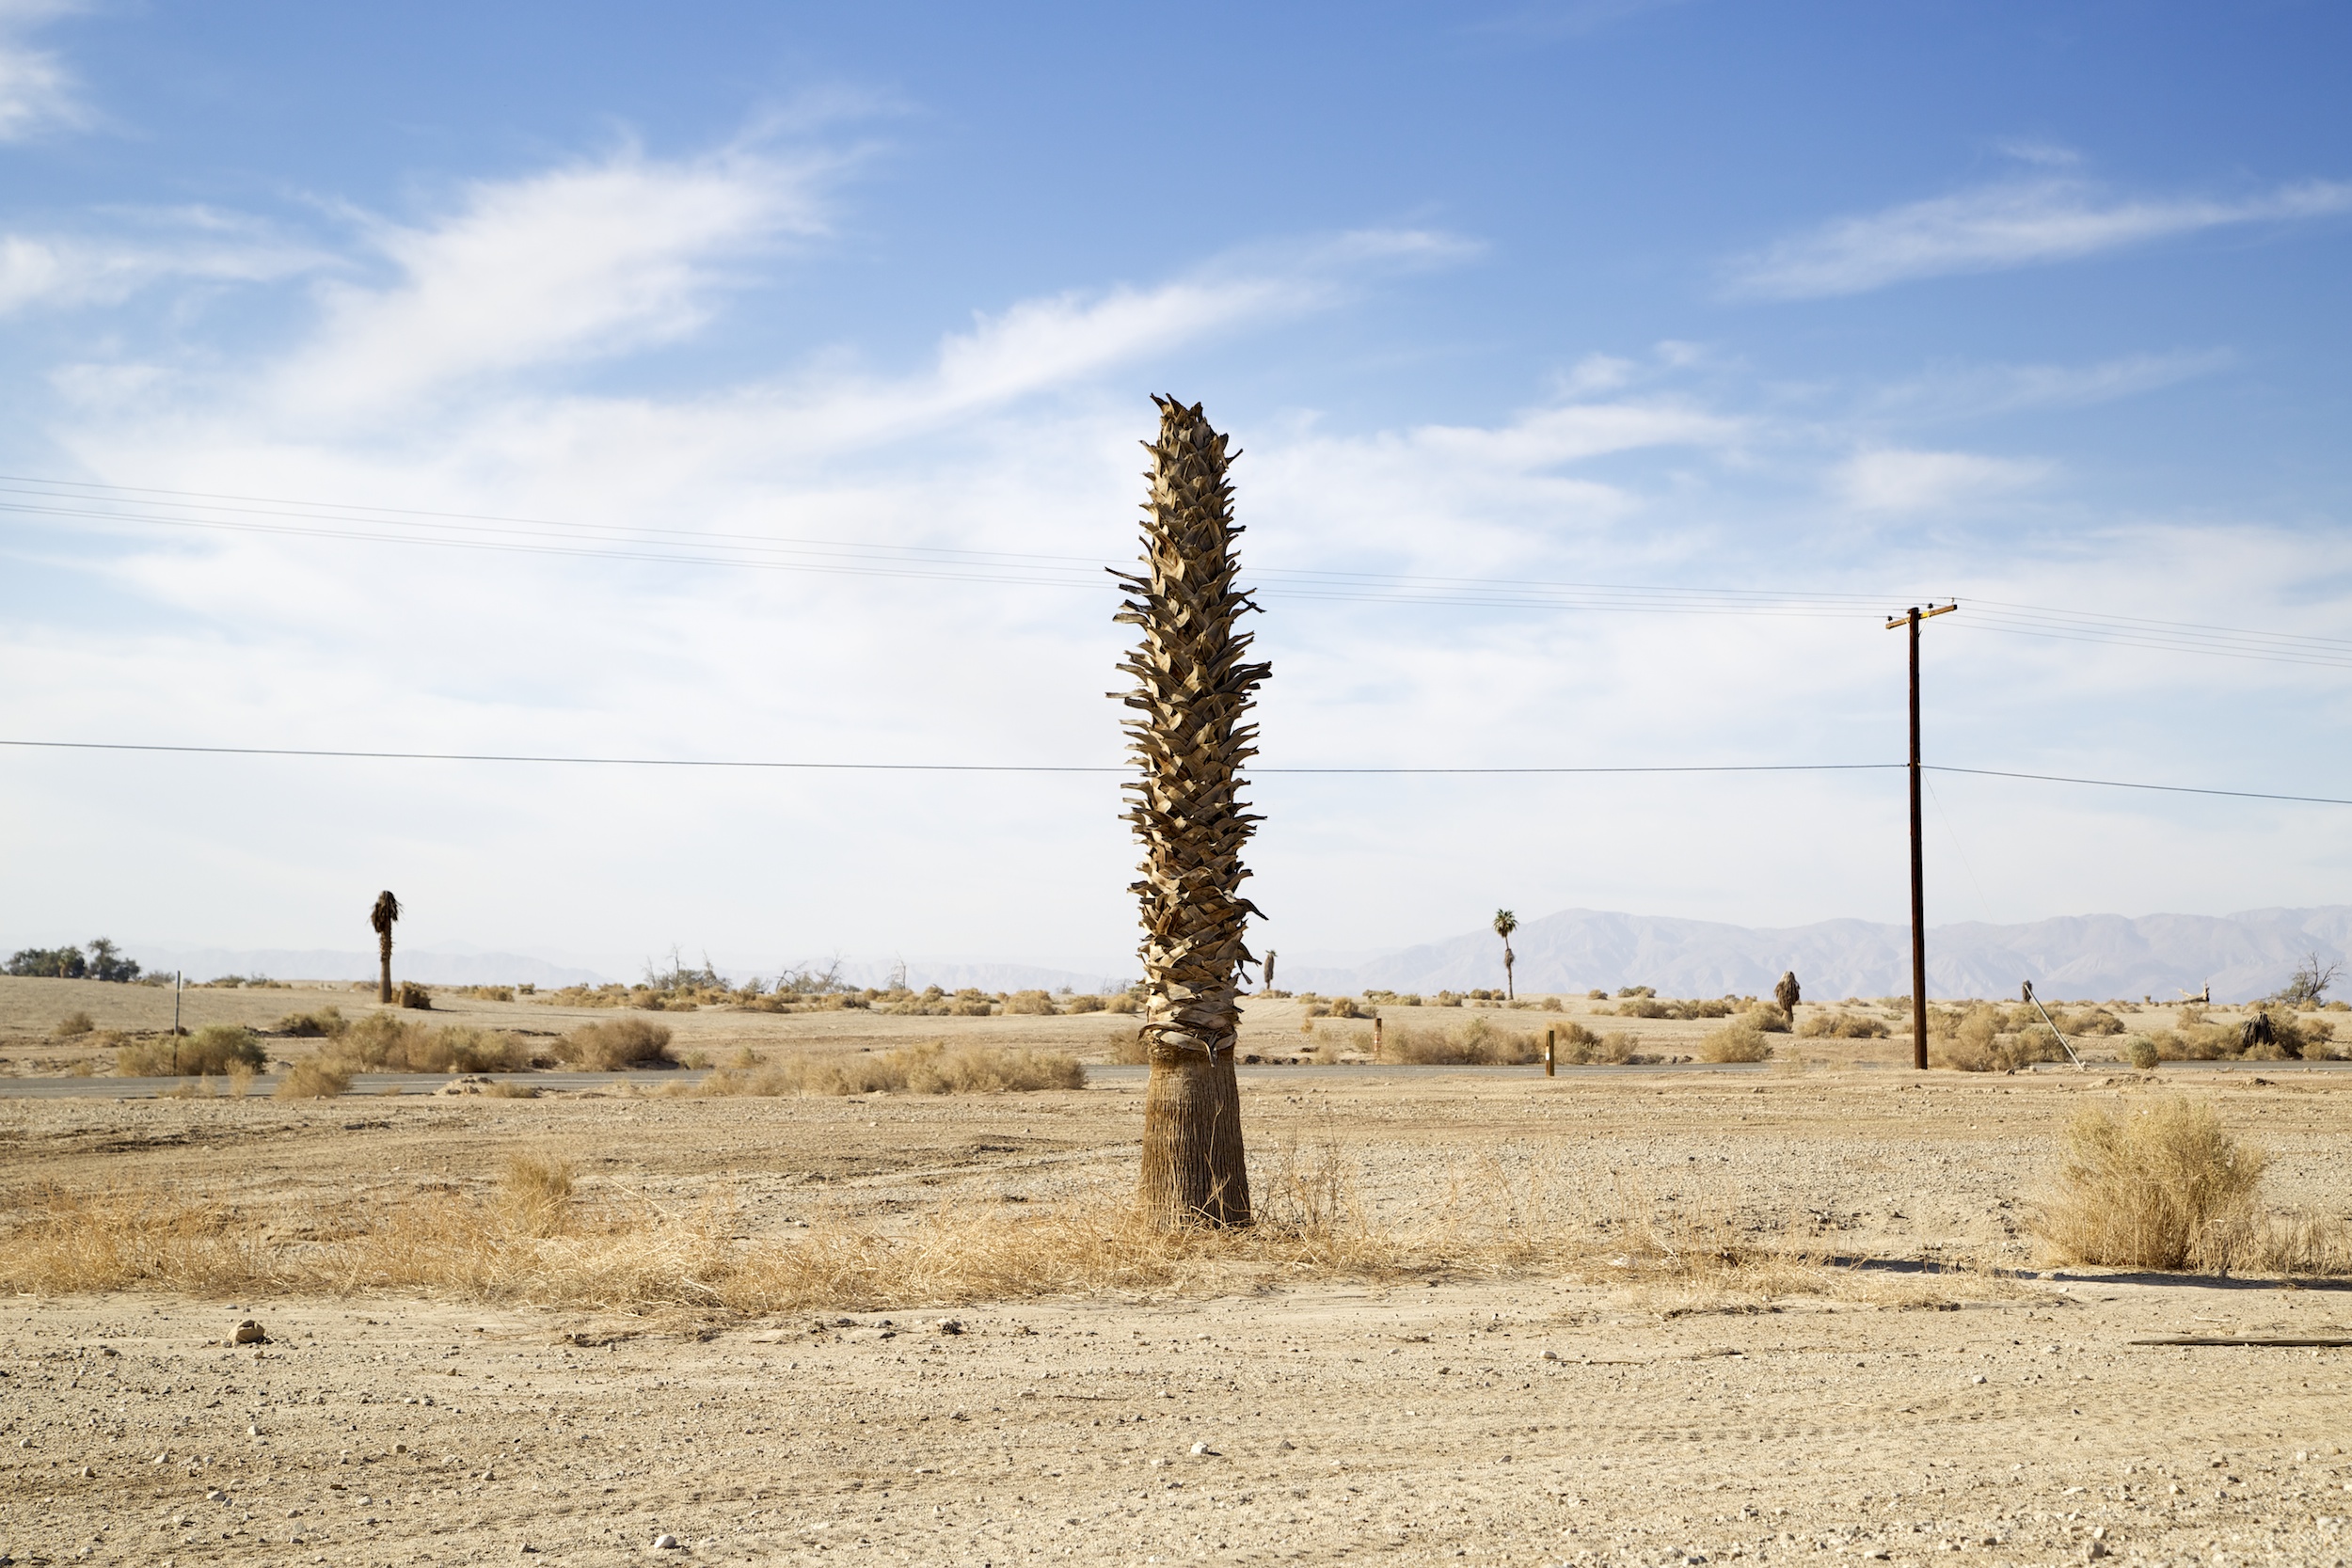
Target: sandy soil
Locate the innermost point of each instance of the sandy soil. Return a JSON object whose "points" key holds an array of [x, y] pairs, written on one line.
{"points": [[30, 1011], [1406, 1420]]}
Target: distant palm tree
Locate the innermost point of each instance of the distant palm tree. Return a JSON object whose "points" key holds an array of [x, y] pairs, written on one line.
{"points": [[1507, 923], [386, 911], [1193, 691]]}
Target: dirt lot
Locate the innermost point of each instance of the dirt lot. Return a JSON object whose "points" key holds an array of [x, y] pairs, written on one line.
{"points": [[1490, 1415]]}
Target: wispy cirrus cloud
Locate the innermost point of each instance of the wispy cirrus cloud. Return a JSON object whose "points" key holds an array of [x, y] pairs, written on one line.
{"points": [[2013, 222], [593, 259], [1971, 391], [1895, 478], [189, 245], [36, 90]]}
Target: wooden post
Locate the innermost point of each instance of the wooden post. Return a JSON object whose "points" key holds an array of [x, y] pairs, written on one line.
{"points": [[1911, 619], [1551, 1051], [1375, 1037]]}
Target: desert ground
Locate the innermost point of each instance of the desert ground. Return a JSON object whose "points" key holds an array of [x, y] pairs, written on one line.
{"points": [[1792, 1312]]}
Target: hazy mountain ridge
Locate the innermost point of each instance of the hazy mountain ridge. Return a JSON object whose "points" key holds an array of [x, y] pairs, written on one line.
{"points": [[2244, 954]]}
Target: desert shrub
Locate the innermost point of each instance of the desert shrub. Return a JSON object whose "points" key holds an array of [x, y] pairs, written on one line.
{"points": [[1738, 1041], [75, 1024], [323, 1023], [1643, 1006], [1030, 1001], [1124, 1002], [931, 1068], [2163, 1187], [413, 996], [535, 1191], [1346, 1006], [312, 1078], [2091, 1021], [1475, 1042], [487, 994], [1842, 1025], [965, 1006], [1767, 1017], [1595, 995], [1637, 991], [385, 1042], [624, 1042], [1609, 1050], [210, 1050], [1129, 1050], [1701, 1009], [1083, 1003], [2142, 1052]]}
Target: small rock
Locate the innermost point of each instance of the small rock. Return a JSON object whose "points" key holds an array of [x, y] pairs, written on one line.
{"points": [[948, 1325], [2094, 1551], [1979, 1378], [665, 1543], [250, 1333], [526, 1546], [216, 1496], [1285, 1446], [253, 1432], [1551, 1355], [88, 1474]]}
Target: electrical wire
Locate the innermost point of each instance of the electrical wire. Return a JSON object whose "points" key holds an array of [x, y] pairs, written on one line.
{"points": [[1095, 767], [73, 502]]}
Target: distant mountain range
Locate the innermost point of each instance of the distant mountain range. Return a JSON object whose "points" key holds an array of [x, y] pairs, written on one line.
{"points": [[2095, 955]]}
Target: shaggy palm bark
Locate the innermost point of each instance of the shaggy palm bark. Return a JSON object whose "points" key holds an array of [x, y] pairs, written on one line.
{"points": [[386, 911], [1192, 688]]}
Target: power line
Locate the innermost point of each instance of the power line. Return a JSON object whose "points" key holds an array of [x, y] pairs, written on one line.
{"points": [[86, 503], [880, 766], [584, 761], [2127, 784]]}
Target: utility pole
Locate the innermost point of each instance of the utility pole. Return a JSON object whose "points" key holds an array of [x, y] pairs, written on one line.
{"points": [[1911, 619]]}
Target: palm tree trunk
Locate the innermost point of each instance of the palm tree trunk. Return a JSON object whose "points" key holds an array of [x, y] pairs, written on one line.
{"points": [[1508, 993], [1192, 691], [383, 974]]}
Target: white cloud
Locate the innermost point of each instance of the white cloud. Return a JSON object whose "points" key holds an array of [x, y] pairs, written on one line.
{"points": [[1962, 391], [582, 261], [2011, 223], [64, 270], [36, 91], [1896, 479]]}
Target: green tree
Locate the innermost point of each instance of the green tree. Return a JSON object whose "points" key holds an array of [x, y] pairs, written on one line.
{"points": [[1193, 686]]}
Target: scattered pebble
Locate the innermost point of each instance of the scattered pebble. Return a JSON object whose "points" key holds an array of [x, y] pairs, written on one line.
{"points": [[665, 1544], [250, 1333]]}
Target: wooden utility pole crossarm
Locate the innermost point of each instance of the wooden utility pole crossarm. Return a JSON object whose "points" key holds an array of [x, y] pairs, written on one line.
{"points": [[1910, 619]]}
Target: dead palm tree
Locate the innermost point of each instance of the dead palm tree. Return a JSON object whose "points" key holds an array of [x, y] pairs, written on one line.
{"points": [[1788, 993], [1507, 923], [386, 911], [1192, 690]]}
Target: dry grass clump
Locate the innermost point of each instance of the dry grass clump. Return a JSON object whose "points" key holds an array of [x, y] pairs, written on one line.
{"points": [[2164, 1186], [314, 1078], [320, 1024], [1740, 1040], [1122, 1003], [1031, 1001], [413, 996], [623, 1043], [535, 1191], [1084, 1001], [1474, 1042], [931, 1068], [2268, 1032], [75, 1024], [211, 1050], [532, 1235], [1842, 1025]]}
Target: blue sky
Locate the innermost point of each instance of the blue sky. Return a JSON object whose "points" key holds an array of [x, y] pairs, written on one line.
{"points": [[2034, 305]]}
